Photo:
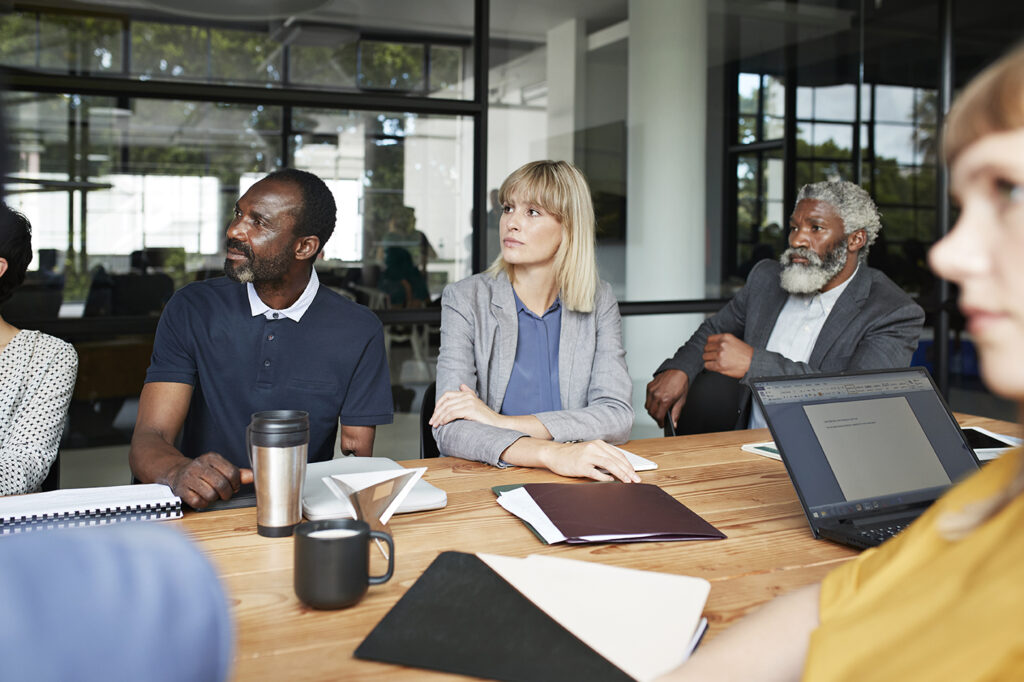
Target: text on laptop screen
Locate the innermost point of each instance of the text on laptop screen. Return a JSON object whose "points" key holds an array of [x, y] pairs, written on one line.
{"points": [[865, 441]]}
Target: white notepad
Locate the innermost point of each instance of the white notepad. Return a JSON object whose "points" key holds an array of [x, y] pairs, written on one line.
{"points": [[88, 507]]}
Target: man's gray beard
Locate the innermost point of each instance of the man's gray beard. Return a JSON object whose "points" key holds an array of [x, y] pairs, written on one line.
{"points": [[268, 269], [239, 274], [810, 278]]}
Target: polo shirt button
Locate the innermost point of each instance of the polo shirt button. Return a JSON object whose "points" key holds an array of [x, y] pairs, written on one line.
{"points": [[270, 337], [266, 363]]}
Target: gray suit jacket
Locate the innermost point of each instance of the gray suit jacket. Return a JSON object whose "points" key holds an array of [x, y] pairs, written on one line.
{"points": [[873, 325], [479, 332]]}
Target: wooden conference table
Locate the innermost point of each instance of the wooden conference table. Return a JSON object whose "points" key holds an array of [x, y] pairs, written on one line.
{"points": [[769, 551]]}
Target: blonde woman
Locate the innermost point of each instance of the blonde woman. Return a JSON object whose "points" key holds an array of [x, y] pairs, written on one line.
{"points": [[944, 600], [531, 370]]}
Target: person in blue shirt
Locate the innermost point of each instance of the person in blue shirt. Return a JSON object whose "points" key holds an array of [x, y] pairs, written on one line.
{"points": [[267, 337], [129, 602], [531, 370]]}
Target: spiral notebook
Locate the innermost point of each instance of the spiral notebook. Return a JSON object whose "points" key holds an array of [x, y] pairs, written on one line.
{"points": [[88, 507]]}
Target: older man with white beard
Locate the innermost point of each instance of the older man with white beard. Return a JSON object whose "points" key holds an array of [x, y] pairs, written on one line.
{"points": [[819, 309]]}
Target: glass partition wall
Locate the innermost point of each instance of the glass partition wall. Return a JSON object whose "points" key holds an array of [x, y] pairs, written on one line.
{"points": [[133, 132], [131, 136]]}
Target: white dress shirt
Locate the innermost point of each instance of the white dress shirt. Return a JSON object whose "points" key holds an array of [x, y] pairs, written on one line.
{"points": [[796, 331], [293, 312]]}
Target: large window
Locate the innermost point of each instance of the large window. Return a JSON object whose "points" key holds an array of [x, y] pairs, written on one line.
{"points": [[896, 143], [324, 56], [757, 155], [120, 175], [130, 187]]}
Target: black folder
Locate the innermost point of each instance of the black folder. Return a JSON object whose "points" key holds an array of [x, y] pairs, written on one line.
{"points": [[462, 617]]}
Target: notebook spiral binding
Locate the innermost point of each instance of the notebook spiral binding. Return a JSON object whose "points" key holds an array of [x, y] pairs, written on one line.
{"points": [[99, 516]]}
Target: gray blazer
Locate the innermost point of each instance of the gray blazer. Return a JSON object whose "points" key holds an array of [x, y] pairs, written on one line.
{"points": [[479, 332], [873, 325]]}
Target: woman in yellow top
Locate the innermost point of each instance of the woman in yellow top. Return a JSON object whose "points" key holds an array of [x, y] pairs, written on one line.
{"points": [[945, 599]]}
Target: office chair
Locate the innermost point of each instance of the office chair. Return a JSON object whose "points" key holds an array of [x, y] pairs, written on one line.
{"points": [[32, 302], [711, 405], [428, 446], [135, 294]]}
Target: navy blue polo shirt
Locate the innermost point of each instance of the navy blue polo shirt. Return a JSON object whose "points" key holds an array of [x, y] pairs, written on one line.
{"points": [[331, 364]]}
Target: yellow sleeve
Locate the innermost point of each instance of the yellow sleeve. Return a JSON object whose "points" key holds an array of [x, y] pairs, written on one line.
{"points": [[842, 583]]}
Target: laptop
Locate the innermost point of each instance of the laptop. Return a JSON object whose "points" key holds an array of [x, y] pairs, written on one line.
{"points": [[867, 452]]}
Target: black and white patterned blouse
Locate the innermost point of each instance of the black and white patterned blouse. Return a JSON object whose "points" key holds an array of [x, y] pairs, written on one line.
{"points": [[37, 376]]}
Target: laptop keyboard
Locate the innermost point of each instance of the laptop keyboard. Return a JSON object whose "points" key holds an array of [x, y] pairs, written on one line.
{"points": [[879, 534]]}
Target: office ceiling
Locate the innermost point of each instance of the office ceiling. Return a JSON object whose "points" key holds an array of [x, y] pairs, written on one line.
{"points": [[900, 38], [520, 20]]}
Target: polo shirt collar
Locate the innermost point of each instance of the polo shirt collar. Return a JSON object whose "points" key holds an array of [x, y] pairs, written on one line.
{"points": [[293, 312]]}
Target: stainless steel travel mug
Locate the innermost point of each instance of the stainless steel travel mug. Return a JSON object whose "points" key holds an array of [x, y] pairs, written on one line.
{"points": [[277, 442]]}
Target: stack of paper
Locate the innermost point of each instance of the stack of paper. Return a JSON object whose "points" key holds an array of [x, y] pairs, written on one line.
{"points": [[603, 512], [546, 618]]}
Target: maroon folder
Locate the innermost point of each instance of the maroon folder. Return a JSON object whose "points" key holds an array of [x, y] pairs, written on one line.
{"points": [[583, 510]]}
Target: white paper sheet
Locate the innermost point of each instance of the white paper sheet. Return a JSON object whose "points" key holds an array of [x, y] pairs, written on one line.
{"points": [[765, 449], [639, 463], [522, 504]]}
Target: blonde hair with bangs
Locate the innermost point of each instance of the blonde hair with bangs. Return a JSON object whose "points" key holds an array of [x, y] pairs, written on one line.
{"points": [[991, 103], [560, 189]]}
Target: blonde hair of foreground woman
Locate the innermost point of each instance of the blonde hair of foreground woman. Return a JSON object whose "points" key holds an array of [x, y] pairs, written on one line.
{"points": [[560, 189], [992, 103]]}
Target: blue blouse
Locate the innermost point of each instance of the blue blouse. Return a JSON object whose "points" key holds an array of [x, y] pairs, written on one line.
{"points": [[533, 385]]}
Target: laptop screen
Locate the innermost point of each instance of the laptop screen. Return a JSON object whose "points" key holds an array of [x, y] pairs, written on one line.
{"points": [[865, 441]]}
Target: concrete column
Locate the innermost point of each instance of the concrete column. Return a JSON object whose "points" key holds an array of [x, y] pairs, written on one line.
{"points": [[567, 79], [666, 242]]}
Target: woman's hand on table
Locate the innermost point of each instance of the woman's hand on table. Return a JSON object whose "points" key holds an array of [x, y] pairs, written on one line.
{"points": [[591, 459], [462, 404]]}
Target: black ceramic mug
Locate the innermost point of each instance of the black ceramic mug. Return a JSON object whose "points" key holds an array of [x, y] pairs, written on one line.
{"points": [[332, 562]]}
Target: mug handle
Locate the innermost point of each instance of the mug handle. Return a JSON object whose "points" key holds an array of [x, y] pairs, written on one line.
{"points": [[378, 579]]}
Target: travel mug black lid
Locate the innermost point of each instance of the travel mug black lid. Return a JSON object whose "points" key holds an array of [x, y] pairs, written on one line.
{"points": [[279, 421]]}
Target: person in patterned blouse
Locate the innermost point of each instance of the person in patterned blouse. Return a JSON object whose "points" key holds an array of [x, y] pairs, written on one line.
{"points": [[37, 375]]}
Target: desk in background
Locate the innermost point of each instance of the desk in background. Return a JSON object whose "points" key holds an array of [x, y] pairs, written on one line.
{"points": [[769, 551]]}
